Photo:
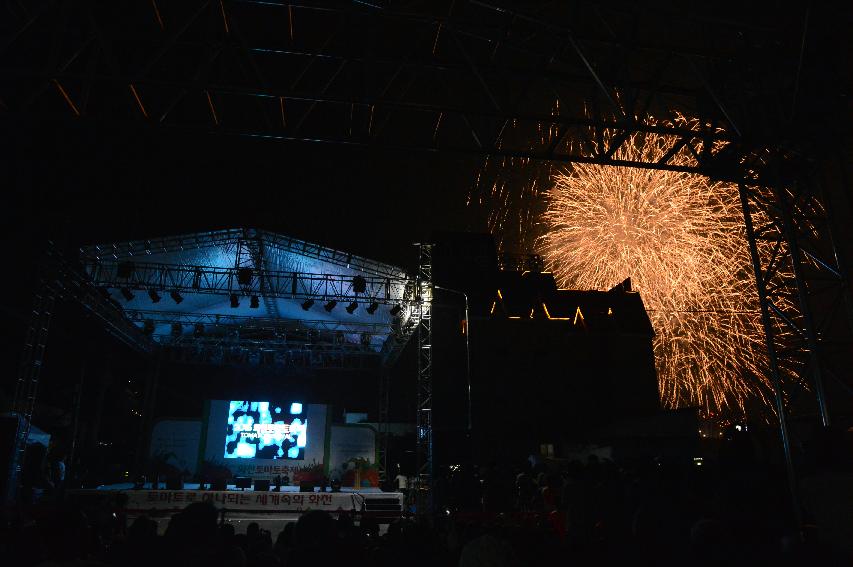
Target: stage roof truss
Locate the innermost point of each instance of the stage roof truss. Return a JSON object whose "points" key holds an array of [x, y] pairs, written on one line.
{"points": [[222, 296]]}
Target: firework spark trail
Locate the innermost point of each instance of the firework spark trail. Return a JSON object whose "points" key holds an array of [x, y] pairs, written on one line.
{"points": [[680, 238]]}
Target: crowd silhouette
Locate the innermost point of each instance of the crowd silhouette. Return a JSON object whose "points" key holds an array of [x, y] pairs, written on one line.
{"points": [[730, 510]]}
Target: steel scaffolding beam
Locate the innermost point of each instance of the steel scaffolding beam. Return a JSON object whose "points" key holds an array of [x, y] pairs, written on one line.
{"points": [[423, 420], [802, 284], [58, 279], [272, 242], [467, 76], [382, 441], [226, 281], [29, 372]]}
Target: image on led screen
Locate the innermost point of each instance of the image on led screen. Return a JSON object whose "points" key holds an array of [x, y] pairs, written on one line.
{"points": [[266, 430]]}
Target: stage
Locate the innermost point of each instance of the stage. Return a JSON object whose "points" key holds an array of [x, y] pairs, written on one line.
{"points": [[272, 509]]}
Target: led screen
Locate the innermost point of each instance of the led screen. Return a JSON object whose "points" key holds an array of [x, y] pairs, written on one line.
{"points": [[266, 430]]}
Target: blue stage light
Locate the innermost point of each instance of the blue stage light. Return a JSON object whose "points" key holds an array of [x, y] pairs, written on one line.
{"points": [[176, 297], [306, 305], [155, 297], [330, 305], [352, 307], [295, 408]]}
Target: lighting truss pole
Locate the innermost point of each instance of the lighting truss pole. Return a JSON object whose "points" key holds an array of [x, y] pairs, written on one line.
{"points": [[57, 280], [801, 283], [770, 341], [423, 429], [26, 388], [382, 445], [224, 281], [803, 292]]}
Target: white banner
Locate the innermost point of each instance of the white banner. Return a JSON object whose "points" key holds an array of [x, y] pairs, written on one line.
{"points": [[142, 501]]}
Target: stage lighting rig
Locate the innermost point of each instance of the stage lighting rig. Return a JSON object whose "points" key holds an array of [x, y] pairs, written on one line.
{"points": [[307, 304], [330, 305], [197, 279], [396, 310], [244, 276], [253, 302], [359, 284], [155, 297], [127, 294], [235, 301], [352, 307], [372, 308], [198, 330], [176, 297]]}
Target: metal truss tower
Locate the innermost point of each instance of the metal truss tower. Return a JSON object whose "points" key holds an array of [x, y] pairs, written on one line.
{"points": [[26, 387], [382, 438], [423, 425]]}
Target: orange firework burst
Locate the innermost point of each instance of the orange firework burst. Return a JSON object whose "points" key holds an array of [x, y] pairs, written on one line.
{"points": [[680, 237]]}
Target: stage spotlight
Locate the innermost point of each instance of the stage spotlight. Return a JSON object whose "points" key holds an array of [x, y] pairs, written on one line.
{"points": [[198, 330], [177, 329], [126, 293], [359, 284], [197, 279], [176, 297], [253, 302], [244, 276], [372, 308], [352, 307], [148, 327], [396, 310], [235, 301], [306, 305], [155, 297], [330, 305]]}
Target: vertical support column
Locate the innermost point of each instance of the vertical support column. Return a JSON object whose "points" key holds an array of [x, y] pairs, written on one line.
{"points": [[382, 441], [29, 372], [77, 402], [814, 366], [423, 310], [770, 341]]}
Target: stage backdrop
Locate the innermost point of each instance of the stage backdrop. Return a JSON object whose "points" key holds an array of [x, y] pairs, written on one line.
{"points": [[352, 455], [265, 438], [174, 446]]}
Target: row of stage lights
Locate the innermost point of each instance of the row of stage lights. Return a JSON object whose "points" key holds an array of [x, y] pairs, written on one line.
{"points": [[254, 302]]}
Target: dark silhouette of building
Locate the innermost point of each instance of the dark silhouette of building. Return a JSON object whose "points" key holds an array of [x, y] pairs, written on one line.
{"points": [[548, 365]]}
